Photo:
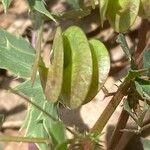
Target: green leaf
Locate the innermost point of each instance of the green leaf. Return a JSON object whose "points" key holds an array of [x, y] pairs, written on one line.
{"points": [[103, 4], [6, 4], [55, 129], [62, 146], [122, 13], [36, 120], [122, 41], [146, 61], [127, 107], [17, 42], [39, 6], [16, 54], [34, 127], [132, 74], [139, 88], [52, 78], [143, 87], [101, 67], [57, 132], [145, 143], [78, 67]]}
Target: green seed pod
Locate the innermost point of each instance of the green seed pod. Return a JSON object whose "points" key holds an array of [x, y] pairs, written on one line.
{"points": [[78, 67], [122, 13], [101, 67], [52, 77]]}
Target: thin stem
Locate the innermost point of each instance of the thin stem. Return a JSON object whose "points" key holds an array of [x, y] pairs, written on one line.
{"points": [[41, 109], [5, 138], [110, 108], [34, 104], [143, 43], [117, 134]]}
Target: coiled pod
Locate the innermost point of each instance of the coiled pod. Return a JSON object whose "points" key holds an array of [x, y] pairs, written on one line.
{"points": [[78, 69]]}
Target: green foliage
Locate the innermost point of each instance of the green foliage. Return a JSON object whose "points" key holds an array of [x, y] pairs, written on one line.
{"points": [[37, 124], [143, 87], [39, 6], [122, 13], [103, 4], [122, 41], [145, 143], [6, 4], [146, 61], [15, 51]]}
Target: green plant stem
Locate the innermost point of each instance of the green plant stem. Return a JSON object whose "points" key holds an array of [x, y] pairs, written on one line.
{"points": [[5, 138], [110, 108], [117, 134]]}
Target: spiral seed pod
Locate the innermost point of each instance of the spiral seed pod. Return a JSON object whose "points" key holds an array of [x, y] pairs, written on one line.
{"points": [[78, 70], [122, 13]]}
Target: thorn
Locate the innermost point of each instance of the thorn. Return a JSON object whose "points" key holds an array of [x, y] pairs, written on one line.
{"points": [[116, 85], [120, 80], [110, 94], [104, 89]]}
